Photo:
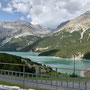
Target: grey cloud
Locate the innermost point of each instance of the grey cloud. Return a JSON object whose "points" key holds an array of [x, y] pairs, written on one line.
{"points": [[49, 13], [73, 7]]}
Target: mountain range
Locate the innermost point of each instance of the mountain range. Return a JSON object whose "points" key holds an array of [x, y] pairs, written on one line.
{"points": [[69, 38], [72, 39], [17, 35]]}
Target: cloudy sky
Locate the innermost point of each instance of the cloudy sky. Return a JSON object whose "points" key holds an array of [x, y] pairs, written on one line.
{"points": [[47, 13]]}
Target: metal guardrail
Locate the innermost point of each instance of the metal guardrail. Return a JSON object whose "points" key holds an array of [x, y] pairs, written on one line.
{"points": [[50, 80], [43, 79]]}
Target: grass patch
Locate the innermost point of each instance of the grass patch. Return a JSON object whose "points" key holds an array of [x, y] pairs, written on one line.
{"points": [[9, 84]]}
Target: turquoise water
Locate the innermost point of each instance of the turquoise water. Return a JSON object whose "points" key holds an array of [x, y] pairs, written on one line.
{"points": [[54, 62]]}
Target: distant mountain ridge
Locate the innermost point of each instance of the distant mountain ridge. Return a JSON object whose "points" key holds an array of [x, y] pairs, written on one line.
{"points": [[72, 38], [80, 23], [17, 35], [19, 32], [62, 24], [20, 28]]}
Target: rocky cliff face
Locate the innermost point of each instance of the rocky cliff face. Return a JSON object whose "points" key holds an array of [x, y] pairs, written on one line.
{"points": [[9, 30], [80, 23], [70, 35], [73, 37]]}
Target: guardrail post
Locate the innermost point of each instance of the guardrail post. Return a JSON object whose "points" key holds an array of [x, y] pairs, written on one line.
{"points": [[37, 81], [19, 75], [1, 73], [8, 73], [85, 85], [15, 75], [51, 79], [41, 78], [12, 74], [67, 82], [79, 83], [23, 77], [73, 83], [46, 79], [32, 77], [56, 78], [61, 82]]}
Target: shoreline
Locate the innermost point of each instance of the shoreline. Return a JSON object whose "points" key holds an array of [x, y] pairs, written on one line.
{"points": [[76, 58], [65, 58]]}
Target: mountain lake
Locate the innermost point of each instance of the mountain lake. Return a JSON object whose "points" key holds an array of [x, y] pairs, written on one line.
{"points": [[54, 61]]}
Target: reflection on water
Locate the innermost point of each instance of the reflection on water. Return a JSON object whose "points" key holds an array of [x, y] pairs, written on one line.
{"points": [[54, 62]]}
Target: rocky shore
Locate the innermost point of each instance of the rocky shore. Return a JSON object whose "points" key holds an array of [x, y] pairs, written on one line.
{"points": [[5, 87], [85, 73]]}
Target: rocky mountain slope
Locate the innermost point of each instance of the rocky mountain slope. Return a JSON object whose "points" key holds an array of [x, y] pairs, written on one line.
{"points": [[31, 65], [73, 38], [62, 25], [15, 36], [17, 44], [20, 28], [80, 23], [19, 34]]}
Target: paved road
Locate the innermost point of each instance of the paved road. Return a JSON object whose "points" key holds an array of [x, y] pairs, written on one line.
{"points": [[43, 84]]}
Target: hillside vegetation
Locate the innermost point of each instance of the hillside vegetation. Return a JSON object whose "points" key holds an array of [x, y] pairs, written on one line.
{"points": [[70, 38], [87, 56], [66, 46], [73, 38], [18, 44], [7, 58]]}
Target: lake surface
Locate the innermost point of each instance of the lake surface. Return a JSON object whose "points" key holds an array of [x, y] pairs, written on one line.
{"points": [[54, 62]]}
